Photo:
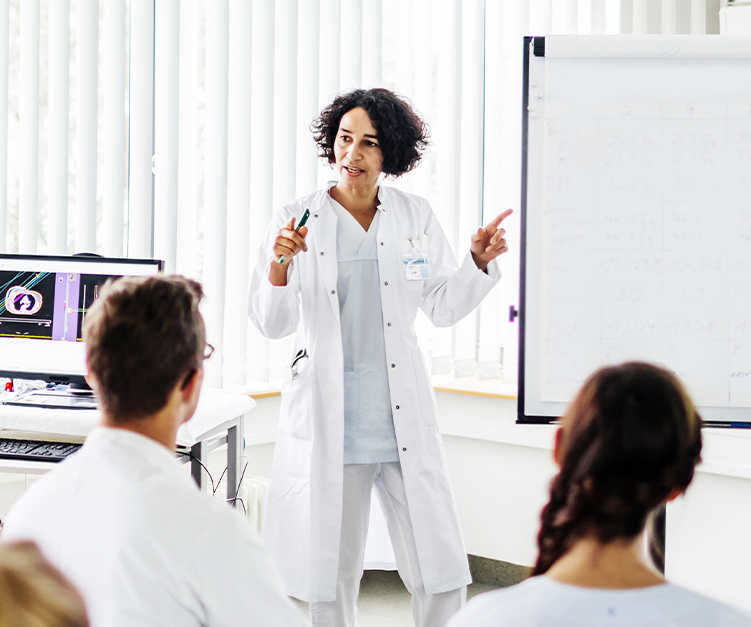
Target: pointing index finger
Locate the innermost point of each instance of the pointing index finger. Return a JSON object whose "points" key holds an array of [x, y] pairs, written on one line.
{"points": [[501, 217]]}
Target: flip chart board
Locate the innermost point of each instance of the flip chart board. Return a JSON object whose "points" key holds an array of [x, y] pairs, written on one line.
{"points": [[636, 201]]}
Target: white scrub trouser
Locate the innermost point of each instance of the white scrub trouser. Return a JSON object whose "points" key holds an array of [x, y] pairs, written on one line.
{"points": [[429, 610]]}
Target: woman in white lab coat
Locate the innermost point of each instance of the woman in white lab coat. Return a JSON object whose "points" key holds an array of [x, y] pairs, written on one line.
{"points": [[358, 409]]}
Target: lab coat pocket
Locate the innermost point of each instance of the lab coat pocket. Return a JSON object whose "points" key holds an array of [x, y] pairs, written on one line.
{"points": [[424, 387], [351, 407], [295, 412], [404, 246]]}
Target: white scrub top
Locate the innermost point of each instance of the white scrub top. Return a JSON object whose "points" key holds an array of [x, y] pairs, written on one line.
{"points": [[543, 602], [369, 436], [126, 523]]}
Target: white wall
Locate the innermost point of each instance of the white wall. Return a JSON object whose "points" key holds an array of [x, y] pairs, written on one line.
{"points": [[501, 471], [500, 478]]}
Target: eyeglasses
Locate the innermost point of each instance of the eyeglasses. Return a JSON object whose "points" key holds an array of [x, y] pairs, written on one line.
{"points": [[209, 351]]}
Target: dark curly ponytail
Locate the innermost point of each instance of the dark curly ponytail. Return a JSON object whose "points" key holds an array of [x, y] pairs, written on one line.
{"points": [[630, 438]]}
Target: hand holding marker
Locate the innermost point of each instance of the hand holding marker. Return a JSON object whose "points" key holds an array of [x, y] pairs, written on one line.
{"points": [[303, 220]]}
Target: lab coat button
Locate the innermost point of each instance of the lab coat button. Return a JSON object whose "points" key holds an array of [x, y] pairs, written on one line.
{"points": [[389, 323], [381, 243], [385, 282], [404, 448], [397, 406], [333, 291], [321, 253], [393, 365]]}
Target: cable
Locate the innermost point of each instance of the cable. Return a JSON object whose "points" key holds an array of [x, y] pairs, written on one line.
{"points": [[242, 476], [214, 488], [239, 484], [190, 454], [218, 483], [233, 501]]}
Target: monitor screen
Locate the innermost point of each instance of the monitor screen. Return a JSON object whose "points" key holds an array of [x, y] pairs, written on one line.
{"points": [[43, 305]]}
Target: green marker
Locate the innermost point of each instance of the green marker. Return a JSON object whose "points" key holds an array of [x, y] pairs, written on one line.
{"points": [[303, 220]]}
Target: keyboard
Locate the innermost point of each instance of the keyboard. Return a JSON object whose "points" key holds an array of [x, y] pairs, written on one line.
{"points": [[35, 450]]}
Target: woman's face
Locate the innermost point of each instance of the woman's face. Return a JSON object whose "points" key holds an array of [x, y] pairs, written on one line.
{"points": [[357, 151]]}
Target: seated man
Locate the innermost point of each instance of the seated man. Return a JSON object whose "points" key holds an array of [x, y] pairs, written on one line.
{"points": [[123, 519]]}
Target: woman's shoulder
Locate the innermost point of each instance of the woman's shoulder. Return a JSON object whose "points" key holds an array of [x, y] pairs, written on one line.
{"points": [[295, 208], [539, 598], [394, 194], [305, 202], [704, 610], [503, 607], [412, 205]]}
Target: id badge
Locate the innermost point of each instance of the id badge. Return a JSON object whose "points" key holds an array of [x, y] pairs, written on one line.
{"points": [[416, 266]]}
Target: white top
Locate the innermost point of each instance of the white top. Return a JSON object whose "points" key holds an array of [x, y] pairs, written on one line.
{"points": [[125, 522], [369, 436], [542, 602]]}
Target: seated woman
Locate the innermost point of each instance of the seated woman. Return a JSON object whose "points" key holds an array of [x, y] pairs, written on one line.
{"points": [[628, 444], [34, 593]]}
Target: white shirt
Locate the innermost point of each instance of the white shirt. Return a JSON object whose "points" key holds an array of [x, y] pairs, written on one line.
{"points": [[369, 436], [542, 602], [125, 522]]}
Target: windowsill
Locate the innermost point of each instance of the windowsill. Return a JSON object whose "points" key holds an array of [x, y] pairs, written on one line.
{"points": [[492, 388], [488, 414], [256, 389]]}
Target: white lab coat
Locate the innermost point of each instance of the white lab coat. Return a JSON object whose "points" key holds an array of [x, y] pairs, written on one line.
{"points": [[305, 497], [126, 523]]}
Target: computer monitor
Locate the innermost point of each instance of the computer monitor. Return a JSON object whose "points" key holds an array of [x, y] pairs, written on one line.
{"points": [[43, 304]]}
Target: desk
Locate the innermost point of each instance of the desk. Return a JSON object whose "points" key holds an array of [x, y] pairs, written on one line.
{"points": [[218, 420]]}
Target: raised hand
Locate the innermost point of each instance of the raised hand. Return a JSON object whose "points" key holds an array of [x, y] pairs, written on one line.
{"points": [[489, 242], [287, 244]]}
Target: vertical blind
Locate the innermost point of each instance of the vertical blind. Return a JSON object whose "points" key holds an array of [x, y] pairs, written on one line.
{"points": [[173, 128]]}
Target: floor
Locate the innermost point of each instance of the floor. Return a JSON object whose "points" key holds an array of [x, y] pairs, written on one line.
{"points": [[385, 602]]}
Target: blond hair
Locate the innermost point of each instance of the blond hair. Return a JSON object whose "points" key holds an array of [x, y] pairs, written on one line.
{"points": [[33, 593]]}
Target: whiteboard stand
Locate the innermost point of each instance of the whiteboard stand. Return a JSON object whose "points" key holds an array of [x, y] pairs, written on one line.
{"points": [[636, 217]]}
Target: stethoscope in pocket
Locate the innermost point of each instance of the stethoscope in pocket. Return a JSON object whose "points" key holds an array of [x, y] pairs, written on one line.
{"points": [[298, 361]]}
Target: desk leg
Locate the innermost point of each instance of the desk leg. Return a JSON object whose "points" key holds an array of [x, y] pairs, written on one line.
{"points": [[234, 459], [196, 470]]}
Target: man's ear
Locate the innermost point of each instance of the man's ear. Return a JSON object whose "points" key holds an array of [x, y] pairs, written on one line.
{"points": [[674, 494], [557, 446], [191, 385], [89, 377]]}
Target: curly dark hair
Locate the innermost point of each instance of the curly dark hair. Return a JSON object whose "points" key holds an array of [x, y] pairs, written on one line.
{"points": [[402, 134], [630, 438]]}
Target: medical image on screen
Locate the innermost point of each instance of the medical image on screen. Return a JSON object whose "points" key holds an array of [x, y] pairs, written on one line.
{"points": [[87, 294], [27, 305], [46, 305]]}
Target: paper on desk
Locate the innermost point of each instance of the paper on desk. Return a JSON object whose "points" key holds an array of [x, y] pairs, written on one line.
{"points": [[214, 408]]}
